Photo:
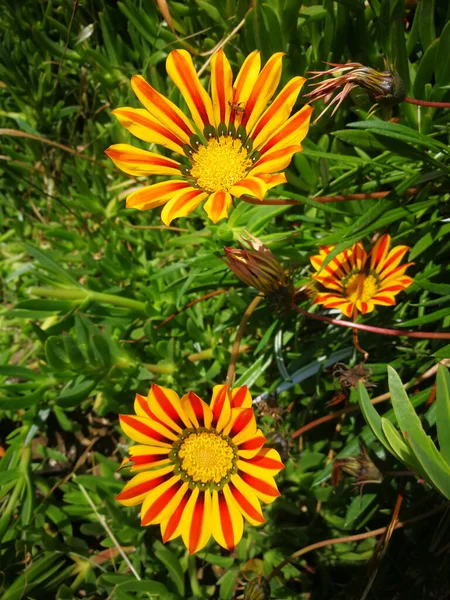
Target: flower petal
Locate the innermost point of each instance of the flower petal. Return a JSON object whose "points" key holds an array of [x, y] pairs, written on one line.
{"points": [[162, 109], [147, 457], [278, 112], [141, 484], [152, 196], [242, 425], [254, 186], [199, 412], [141, 407], [275, 160], [162, 501], [171, 528], [262, 91], [146, 431], [221, 407], [379, 252], [217, 206], [272, 180], [291, 132], [265, 489], [247, 500], [135, 161], [140, 123], [244, 84], [267, 459], [221, 87], [195, 523], [241, 398], [227, 524], [251, 447], [181, 70], [165, 404], [181, 205]]}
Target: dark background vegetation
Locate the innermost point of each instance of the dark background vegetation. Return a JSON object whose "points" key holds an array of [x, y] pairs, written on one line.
{"points": [[85, 283]]}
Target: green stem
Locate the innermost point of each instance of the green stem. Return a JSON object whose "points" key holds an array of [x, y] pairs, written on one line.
{"points": [[17, 491], [75, 293]]}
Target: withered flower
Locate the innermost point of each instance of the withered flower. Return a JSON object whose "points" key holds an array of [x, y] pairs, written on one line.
{"points": [[257, 589], [361, 467], [385, 88], [350, 376], [256, 266]]}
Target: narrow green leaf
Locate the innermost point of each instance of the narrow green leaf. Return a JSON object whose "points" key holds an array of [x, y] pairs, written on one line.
{"points": [[443, 411]]}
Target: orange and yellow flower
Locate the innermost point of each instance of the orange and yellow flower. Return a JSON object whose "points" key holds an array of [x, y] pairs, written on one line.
{"points": [[233, 145], [355, 281], [200, 469]]}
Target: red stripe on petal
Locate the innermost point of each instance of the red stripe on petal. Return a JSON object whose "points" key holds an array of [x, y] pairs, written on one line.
{"points": [[253, 444], [184, 75], [142, 488], [175, 519], [157, 127], [160, 503], [166, 405], [197, 407], [288, 129], [197, 523], [239, 398], [143, 459], [226, 522], [144, 429], [265, 462], [219, 403], [242, 420], [246, 506], [381, 249], [142, 400], [385, 299], [259, 484]]}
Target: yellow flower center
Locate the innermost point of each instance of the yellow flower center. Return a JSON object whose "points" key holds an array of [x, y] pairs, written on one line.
{"points": [[220, 164], [206, 457], [361, 287]]}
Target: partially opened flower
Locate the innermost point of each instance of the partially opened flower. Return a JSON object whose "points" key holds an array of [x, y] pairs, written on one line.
{"points": [[235, 144], [355, 282], [200, 469]]}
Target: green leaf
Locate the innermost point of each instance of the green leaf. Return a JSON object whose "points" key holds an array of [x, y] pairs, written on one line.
{"points": [[372, 418], [173, 566], [436, 469], [50, 265], [401, 450], [443, 411]]}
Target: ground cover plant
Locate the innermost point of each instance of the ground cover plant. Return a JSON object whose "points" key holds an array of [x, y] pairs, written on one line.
{"points": [[277, 345]]}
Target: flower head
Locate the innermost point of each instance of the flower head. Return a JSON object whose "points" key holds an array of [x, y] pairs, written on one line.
{"points": [[385, 88], [200, 469], [260, 269], [355, 281], [234, 144]]}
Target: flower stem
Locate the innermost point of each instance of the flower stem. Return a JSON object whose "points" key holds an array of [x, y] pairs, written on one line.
{"points": [[427, 103], [237, 340], [326, 199], [79, 293], [380, 330]]}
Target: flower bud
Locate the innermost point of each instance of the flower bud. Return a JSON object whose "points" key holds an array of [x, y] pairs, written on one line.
{"points": [[360, 467], [257, 589]]}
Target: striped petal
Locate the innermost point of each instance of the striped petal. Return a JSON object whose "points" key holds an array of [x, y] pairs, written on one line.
{"points": [[152, 196], [358, 257], [165, 404], [227, 524], [140, 123], [217, 206], [221, 87], [195, 525], [146, 431], [379, 252], [251, 447], [241, 397], [199, 412], [171, 528], [272, 180], [267, 460], [181, 205], [244, 84], [254, 186], [265, 489], [182, 72], [246, 500], [275, 160], [141, 484], [162, 109], [162, 501], [141, 407], [135, 161], [221, 407], [278, 112], [392, 261], [147, 457], [262, 91], [291, 132], [242, 425]]}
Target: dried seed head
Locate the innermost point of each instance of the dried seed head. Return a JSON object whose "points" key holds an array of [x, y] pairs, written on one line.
{"points": [[257, 589], [361, 467]]}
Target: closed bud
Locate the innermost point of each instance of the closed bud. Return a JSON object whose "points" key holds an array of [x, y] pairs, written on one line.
{"points": [[385, 88], [361, 467], [256, 266], [257, 589]]}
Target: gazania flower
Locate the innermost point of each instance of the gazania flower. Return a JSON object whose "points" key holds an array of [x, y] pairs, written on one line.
{"points": [[233, 145], [260, 269], [200, 469], [355, 282], [385, 88]]}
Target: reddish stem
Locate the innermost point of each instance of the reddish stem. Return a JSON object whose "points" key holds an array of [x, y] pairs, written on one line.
{"points": [[427, 103], [372, 329], [324, 199], [205, 297]]}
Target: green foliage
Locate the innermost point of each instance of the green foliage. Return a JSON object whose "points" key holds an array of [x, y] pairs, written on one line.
{"points": [[87, 287]]}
